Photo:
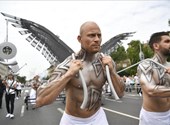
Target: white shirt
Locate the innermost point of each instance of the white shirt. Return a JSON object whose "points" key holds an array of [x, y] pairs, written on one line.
{"points": [[18, 86], [136, 79], [10, 90], [128, 81]]}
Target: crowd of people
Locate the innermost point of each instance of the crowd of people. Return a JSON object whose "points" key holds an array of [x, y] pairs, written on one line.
{"points": [[10, 88], [132, 83]]}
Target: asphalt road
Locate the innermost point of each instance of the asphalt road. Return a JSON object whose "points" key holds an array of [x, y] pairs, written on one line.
{"points": [[122, 112]]}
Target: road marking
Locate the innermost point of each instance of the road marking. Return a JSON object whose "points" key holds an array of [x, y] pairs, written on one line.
{"points": [[119, 101], [22, 111], [113, 111], [23, 106], [60, 110], [131, 97], [120, 113], [130, 94]]}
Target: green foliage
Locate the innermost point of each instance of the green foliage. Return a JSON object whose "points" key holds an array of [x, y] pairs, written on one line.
{"points": [[147, 51], [131, 53], [168, 59], [22, 79], [119, 54]]}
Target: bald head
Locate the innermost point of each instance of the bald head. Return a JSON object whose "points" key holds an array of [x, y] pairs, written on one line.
{"points": [[90, 37], [86, 25]]}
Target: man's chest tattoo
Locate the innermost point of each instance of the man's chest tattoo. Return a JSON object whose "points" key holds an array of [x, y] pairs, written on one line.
{"points": [[94, 97], [97, 67]]}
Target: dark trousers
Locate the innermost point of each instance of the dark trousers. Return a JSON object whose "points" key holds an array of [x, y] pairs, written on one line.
{"points": [[10, 99], [1, 96], [18, 92], [138, 89]]}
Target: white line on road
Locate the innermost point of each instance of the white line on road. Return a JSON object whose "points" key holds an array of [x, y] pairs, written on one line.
{"points": [[119, 101], [22, 110], [23, 106], [120, 113], [131, 97], [60, 110], [113, 111]]}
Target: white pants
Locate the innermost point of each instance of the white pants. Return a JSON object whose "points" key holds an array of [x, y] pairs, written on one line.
{"points": [[154, 118], [99, 118], [32, 96]]}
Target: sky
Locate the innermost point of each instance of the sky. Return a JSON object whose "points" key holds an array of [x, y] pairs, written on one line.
{"points": [[64, 18]]}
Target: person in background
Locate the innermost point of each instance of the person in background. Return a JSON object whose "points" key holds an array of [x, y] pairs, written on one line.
{"points": [[155, 82], [34, 85], [137, 85], [2, 90], [10, 84], [128, 84], [18, 89], [66, 76]]}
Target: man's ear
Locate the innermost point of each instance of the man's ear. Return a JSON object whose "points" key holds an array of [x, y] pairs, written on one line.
{"points": [[79, 38], [156, 46]]}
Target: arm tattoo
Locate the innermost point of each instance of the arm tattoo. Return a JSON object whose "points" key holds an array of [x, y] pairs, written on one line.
{"points": [[60, 69], [149, 69]]}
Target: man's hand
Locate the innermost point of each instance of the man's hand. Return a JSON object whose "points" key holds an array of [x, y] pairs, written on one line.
{"points": [[107, 60], [75, 66], [167, 70]]}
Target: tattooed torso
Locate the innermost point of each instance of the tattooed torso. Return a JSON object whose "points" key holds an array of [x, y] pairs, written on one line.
{"points": [[95, 78], [155, 85]]}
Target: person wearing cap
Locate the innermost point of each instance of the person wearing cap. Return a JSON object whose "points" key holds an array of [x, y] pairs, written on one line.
{"points": [[10, 84], [154, 78]]}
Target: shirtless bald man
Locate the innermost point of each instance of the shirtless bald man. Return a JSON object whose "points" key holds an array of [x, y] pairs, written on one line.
{"points": [[66, 76], [155, 83]]}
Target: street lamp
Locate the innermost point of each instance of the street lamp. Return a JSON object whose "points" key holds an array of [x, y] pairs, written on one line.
{"points": [[141, 54], [15, 69], [22, 67]]}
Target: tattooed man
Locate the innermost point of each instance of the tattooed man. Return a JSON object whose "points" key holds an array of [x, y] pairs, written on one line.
{"points": [[66, 76], [155, 83]]}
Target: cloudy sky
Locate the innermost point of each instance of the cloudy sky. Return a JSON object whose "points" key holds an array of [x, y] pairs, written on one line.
{"points": [[64, 18]]}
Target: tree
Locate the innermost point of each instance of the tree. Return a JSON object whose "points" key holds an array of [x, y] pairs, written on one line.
{"points": [[22, 79], [119, 54], [133, 54], [133, 51], [147, 51]]}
